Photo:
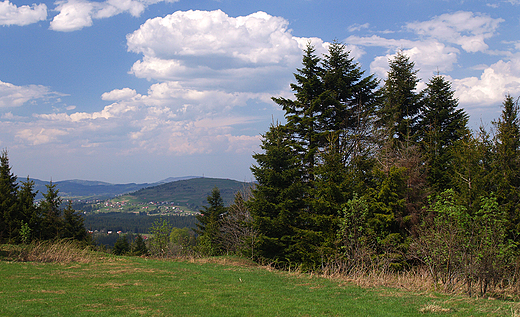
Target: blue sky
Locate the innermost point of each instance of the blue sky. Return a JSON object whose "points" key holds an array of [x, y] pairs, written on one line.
{"points": [[141, 90]]}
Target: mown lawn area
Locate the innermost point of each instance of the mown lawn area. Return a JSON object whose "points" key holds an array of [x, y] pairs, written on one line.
{"points": [[130, 286]]}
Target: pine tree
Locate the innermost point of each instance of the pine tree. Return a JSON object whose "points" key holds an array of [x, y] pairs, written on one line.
{"points": [[442, 124], [209, 223], [9, 215]]}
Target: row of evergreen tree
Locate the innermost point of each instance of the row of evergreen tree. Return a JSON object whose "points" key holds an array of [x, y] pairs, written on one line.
{"points": [[368, 173], [23, 220]]}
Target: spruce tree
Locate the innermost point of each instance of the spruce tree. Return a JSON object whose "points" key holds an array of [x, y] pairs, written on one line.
{"points": [[121, 247], [138, 247], [399, 113], [9, 215], [209, 223], [73, 224], [442, 124], [277, 202], [302, 113], [52, 222], [507, 163], [30, 213]]}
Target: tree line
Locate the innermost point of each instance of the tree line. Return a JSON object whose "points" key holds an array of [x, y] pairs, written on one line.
{"points": [[23, 220], [367, 174]]}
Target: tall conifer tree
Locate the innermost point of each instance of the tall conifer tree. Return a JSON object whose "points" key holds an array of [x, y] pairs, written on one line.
{"points": [[277, 199], [507, 163], [209, 222], [9, 215], [441, 125], [399, 113]]}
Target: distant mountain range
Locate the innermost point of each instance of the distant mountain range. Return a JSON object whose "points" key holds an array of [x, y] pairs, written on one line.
{"points": [[82, 189]]}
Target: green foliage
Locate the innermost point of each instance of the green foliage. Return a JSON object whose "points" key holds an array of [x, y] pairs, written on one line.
{"points": [[159, 243], [441, 126], [506, 164], [9, 217], [277, 200], [138, 246], [25, 233], [355, 235], [52, 215], [73, 226], [121, 247], [399, 113], [209, 224], [457, 244]]}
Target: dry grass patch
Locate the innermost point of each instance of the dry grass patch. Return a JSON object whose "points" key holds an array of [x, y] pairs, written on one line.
{"points": [[434, 309], [64, 251]]}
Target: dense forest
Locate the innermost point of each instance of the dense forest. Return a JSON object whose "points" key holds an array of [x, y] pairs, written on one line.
{"points": [[367, 174]]}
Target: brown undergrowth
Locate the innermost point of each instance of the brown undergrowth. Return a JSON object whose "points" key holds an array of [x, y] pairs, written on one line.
{"points": [[417, 280], [62, 251]]}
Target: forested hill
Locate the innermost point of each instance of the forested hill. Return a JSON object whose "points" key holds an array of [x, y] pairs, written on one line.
{"points": [[192, 192]]}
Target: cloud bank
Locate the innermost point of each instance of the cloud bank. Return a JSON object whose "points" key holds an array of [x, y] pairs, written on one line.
{"points": [[10, 14]]}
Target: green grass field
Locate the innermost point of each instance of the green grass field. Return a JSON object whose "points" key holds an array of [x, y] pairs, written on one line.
{"points": [[127, 286]]}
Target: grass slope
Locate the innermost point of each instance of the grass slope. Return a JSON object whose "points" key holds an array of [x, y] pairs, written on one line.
{"points": [[124, 286]]}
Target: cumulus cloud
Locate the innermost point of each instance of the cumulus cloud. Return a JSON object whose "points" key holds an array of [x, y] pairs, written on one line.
{"points": [[76, 14], [15, 96], [467, 29], [10, 14], [119, 94], [437, 47], [429, 56], [493, 84], [209, 50]]}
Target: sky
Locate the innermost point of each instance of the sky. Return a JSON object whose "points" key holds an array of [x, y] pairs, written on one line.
{"points": [[127, 91]]}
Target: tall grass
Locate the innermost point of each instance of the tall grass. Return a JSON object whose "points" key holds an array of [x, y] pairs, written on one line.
{"points": [[60, 251]]}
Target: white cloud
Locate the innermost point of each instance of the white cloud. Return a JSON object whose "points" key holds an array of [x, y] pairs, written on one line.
{"points": [[209, 50], [40, 136], [15, 96], [429, 56], [358, 27], [77, 14], [10, 14], [258, 38], [120, 94], [74, 15], [494, 83], [467, 29]]}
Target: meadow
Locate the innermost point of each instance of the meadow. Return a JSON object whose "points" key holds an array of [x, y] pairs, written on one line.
{"points": [[86, 283]]}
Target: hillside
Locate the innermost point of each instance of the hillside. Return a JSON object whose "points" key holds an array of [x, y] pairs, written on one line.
{"points": [[191, 193], [82, 189]]}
